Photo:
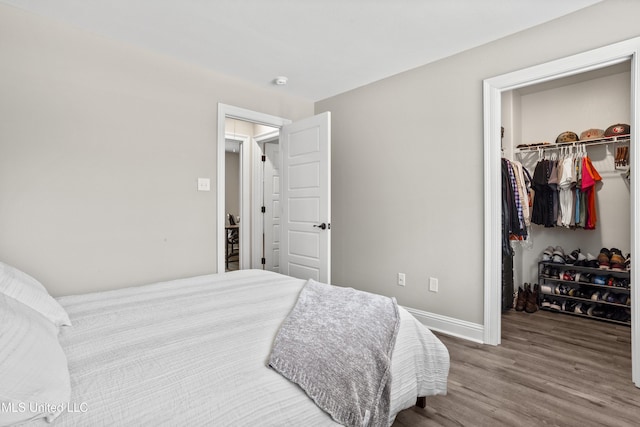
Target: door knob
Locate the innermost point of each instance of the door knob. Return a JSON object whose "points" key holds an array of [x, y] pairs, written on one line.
{"points": [[322, 226]]}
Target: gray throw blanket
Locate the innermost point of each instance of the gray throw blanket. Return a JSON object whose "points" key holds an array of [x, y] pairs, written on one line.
{"points": [[336, 344]]}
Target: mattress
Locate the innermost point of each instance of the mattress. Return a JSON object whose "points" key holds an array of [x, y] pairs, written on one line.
{"points": [[195, 351]]}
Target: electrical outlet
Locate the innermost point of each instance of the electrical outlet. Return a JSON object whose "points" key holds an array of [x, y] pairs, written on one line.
{"points": [[402, 280], [433, 284]]}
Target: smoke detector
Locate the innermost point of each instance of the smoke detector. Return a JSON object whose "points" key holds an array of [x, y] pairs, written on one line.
{"points": [[281, 80]]}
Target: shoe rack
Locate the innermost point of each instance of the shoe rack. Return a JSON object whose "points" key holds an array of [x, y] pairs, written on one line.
{"points": [[595, 293]]}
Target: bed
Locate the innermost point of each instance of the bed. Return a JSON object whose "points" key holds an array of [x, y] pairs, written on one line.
{"points": [[195, 352]]}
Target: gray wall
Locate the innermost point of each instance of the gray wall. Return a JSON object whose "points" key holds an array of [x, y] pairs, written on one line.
{"points": [[407, 164], [101, 145]]}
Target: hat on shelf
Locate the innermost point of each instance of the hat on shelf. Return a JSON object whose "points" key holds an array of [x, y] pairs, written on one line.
{"points": [[617, 130], [591, 134], [567, 136]]}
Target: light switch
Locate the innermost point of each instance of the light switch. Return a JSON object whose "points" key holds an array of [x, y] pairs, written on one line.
{"points": [[204, 184]]}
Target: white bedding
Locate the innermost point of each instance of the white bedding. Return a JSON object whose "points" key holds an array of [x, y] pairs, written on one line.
{"points": [[194, 352]]}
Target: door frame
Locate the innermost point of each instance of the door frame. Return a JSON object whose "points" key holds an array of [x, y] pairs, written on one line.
{"points": [[244, 186], [258, 193], [492, 90], [232, 112]]}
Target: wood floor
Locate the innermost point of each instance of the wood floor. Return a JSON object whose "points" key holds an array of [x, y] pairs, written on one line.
{"points": [[550, 370]]}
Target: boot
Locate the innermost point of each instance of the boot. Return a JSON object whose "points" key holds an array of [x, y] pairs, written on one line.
{"points": [[531, 303], [521, 300]]}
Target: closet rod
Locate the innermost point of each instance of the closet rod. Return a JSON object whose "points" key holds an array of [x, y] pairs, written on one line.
{"points": [[589, 143]]}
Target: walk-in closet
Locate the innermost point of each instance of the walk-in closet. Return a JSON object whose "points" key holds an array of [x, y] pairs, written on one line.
{"points": [[533, 118]]}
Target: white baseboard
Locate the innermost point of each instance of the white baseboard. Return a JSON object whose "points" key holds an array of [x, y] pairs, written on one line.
{"points": [[449, 325]]}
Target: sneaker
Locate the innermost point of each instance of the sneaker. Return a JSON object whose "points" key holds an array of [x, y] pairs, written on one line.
{"points": [[578, 308], [581, 260], [546, 271], [585, 278], [572, 257], [617, 261], [604, 259], [547, 254], [591, 261], [569, 306], [569, 275], [555, 305], [622, 299], [545, 303], [615, 251], [558, 256], [584, 308], [547, 289], [599, 280], [627, 262], [595, 296]]}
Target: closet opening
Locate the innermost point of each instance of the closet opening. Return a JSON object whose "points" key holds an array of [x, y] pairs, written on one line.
{"points": [[592, 90], [571, 206]]}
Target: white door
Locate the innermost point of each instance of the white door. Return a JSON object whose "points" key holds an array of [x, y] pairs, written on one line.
{"points": [[271, 203], [305, 224]]}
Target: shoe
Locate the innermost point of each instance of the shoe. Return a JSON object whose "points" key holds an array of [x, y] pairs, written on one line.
{"points": [[569, 275], [581, 293], [578, 308], [584, 308], [573, 257], [617, 261], [622, 283], [555, 305], [609, 297], [546, 271], [521, 299], [569, 306], [531, 302], [627, 262], [585, 278], [581, 260], [615, 251], [558, 256], [545, 303], [547, 254], [595, 296], [547, 289], [591, 261], [604, 259], [599, 280], [598, 311], [622, 299]]}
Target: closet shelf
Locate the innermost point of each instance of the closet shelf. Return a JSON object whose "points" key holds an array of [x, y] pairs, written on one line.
{"points": [[587, 143]]}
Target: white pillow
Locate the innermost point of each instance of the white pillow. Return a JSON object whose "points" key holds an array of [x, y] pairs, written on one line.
{"points": [[34, 377], [24, 288]]}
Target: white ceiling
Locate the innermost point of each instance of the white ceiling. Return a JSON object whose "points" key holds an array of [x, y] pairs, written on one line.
{"points": [[324, 47]]}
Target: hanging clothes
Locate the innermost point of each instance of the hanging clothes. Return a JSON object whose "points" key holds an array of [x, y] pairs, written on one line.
{"points": [[516, 182], [565, 192], [590, 177]]}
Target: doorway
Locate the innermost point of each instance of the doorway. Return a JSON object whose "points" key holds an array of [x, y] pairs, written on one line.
{"points": [[250, 235], [493, 89], [245, 194], [305, 224]]}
